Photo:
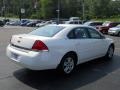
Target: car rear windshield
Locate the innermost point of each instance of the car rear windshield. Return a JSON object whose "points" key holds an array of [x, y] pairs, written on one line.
{"points": [[47, 31]]}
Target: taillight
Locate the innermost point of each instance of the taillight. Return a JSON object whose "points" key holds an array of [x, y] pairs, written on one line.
{"points": [[39, 46]]}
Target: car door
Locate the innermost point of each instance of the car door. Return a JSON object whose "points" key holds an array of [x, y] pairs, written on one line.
{"points": [[83, 46], [98, 43]]}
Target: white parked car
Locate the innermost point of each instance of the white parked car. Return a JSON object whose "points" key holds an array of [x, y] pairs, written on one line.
{"points": [[93, 23], [59, 47], [74, 18], [43, 23], [74, 22], [114, 31]]}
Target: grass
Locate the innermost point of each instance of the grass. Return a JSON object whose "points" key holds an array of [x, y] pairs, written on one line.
{"points": [[109, 19]]}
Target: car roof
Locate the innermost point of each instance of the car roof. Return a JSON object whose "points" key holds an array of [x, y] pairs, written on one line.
{"points": [[70, 25], [94, 22], [67, 25]]}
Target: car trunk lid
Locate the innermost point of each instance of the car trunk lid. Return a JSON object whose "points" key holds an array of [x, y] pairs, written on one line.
{"points": [[26, 41]]}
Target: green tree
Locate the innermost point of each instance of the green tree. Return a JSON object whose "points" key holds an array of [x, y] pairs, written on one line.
{"points": [[47, 8]]}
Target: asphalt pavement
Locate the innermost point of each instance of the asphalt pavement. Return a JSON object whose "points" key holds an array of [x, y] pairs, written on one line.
{"points": [[98, 74]]}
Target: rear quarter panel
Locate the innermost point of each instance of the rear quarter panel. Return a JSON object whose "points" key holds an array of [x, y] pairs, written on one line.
{"points": [[59, 47]]}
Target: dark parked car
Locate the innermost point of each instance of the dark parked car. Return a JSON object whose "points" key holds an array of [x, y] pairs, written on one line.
{"points": [[33, 23], [106, 26], [24, 22], [1, 23], [5, 20]]}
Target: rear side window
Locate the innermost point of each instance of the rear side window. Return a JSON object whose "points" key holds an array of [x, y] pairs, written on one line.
{"points": [[47, 31]]}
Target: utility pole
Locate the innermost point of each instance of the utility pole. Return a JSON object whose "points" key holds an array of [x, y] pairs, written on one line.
{"points": [[35, 5], [4, 9], [22, 10], [83, 7], [20, 15], [58, 12]]}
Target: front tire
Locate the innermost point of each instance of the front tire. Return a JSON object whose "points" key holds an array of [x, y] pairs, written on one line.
{"points": [[67, 64], [110, 53], [119, 34]]}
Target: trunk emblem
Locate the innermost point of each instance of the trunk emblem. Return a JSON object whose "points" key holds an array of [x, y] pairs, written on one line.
{"points": [[18, 41], [20, 37]]}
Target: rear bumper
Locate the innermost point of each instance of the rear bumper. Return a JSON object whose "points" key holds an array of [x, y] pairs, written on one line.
{"points": [[31, 60]]}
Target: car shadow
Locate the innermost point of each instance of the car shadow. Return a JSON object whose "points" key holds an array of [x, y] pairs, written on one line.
{"points": [[84, 74]]}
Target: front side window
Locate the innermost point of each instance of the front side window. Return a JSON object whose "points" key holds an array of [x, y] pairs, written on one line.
{"points": [[47, 31], [71, 22], [78, 33], [95, 24], [94, 34]]}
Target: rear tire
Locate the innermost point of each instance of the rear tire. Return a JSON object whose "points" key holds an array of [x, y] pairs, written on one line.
{"points": [[67, 64]]}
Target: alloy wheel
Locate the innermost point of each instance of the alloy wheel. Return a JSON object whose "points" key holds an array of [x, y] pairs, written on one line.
{"points": [[110, 52], [68, 65]]}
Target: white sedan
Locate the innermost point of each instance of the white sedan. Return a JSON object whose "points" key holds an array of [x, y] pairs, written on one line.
{"points": [[114, 31], [59, 47]]}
